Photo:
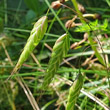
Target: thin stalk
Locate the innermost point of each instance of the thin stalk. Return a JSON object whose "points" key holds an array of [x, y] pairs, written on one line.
{"points": [[58, 19], [6, 16], [16, 14], [77, 10], [83, 21], [103, 53], [11, 102]]}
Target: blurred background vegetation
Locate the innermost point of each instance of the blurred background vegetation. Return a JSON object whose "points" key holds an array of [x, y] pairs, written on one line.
{"points": [[16, 21]]}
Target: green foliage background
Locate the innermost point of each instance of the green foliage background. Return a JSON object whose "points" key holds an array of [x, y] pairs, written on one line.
{"points": [[17, 18]]}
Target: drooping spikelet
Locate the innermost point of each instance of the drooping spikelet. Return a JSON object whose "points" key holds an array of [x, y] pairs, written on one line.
{"points": [[36, 36], [74, 92], [59, 51]]}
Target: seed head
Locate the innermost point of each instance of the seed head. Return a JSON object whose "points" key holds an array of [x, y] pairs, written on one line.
{"points": [[97, 16], [56, 4], [81, 8], [62, 1], [69, 24]]}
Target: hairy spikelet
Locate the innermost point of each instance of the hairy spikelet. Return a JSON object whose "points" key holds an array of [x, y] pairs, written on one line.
{"points": [[74, 92], [60, 50], [36, 35]]}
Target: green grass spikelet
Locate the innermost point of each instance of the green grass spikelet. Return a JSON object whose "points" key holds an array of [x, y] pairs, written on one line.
{"points": [[36, 36], [60, 50], [74, 92]]}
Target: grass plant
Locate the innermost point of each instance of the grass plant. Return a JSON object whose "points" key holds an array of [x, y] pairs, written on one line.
{"points": [[57, 52]]}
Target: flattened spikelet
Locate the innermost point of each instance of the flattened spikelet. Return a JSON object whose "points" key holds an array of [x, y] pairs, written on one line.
{"points": [[74, 92], [36, 35], [60, 50]]}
